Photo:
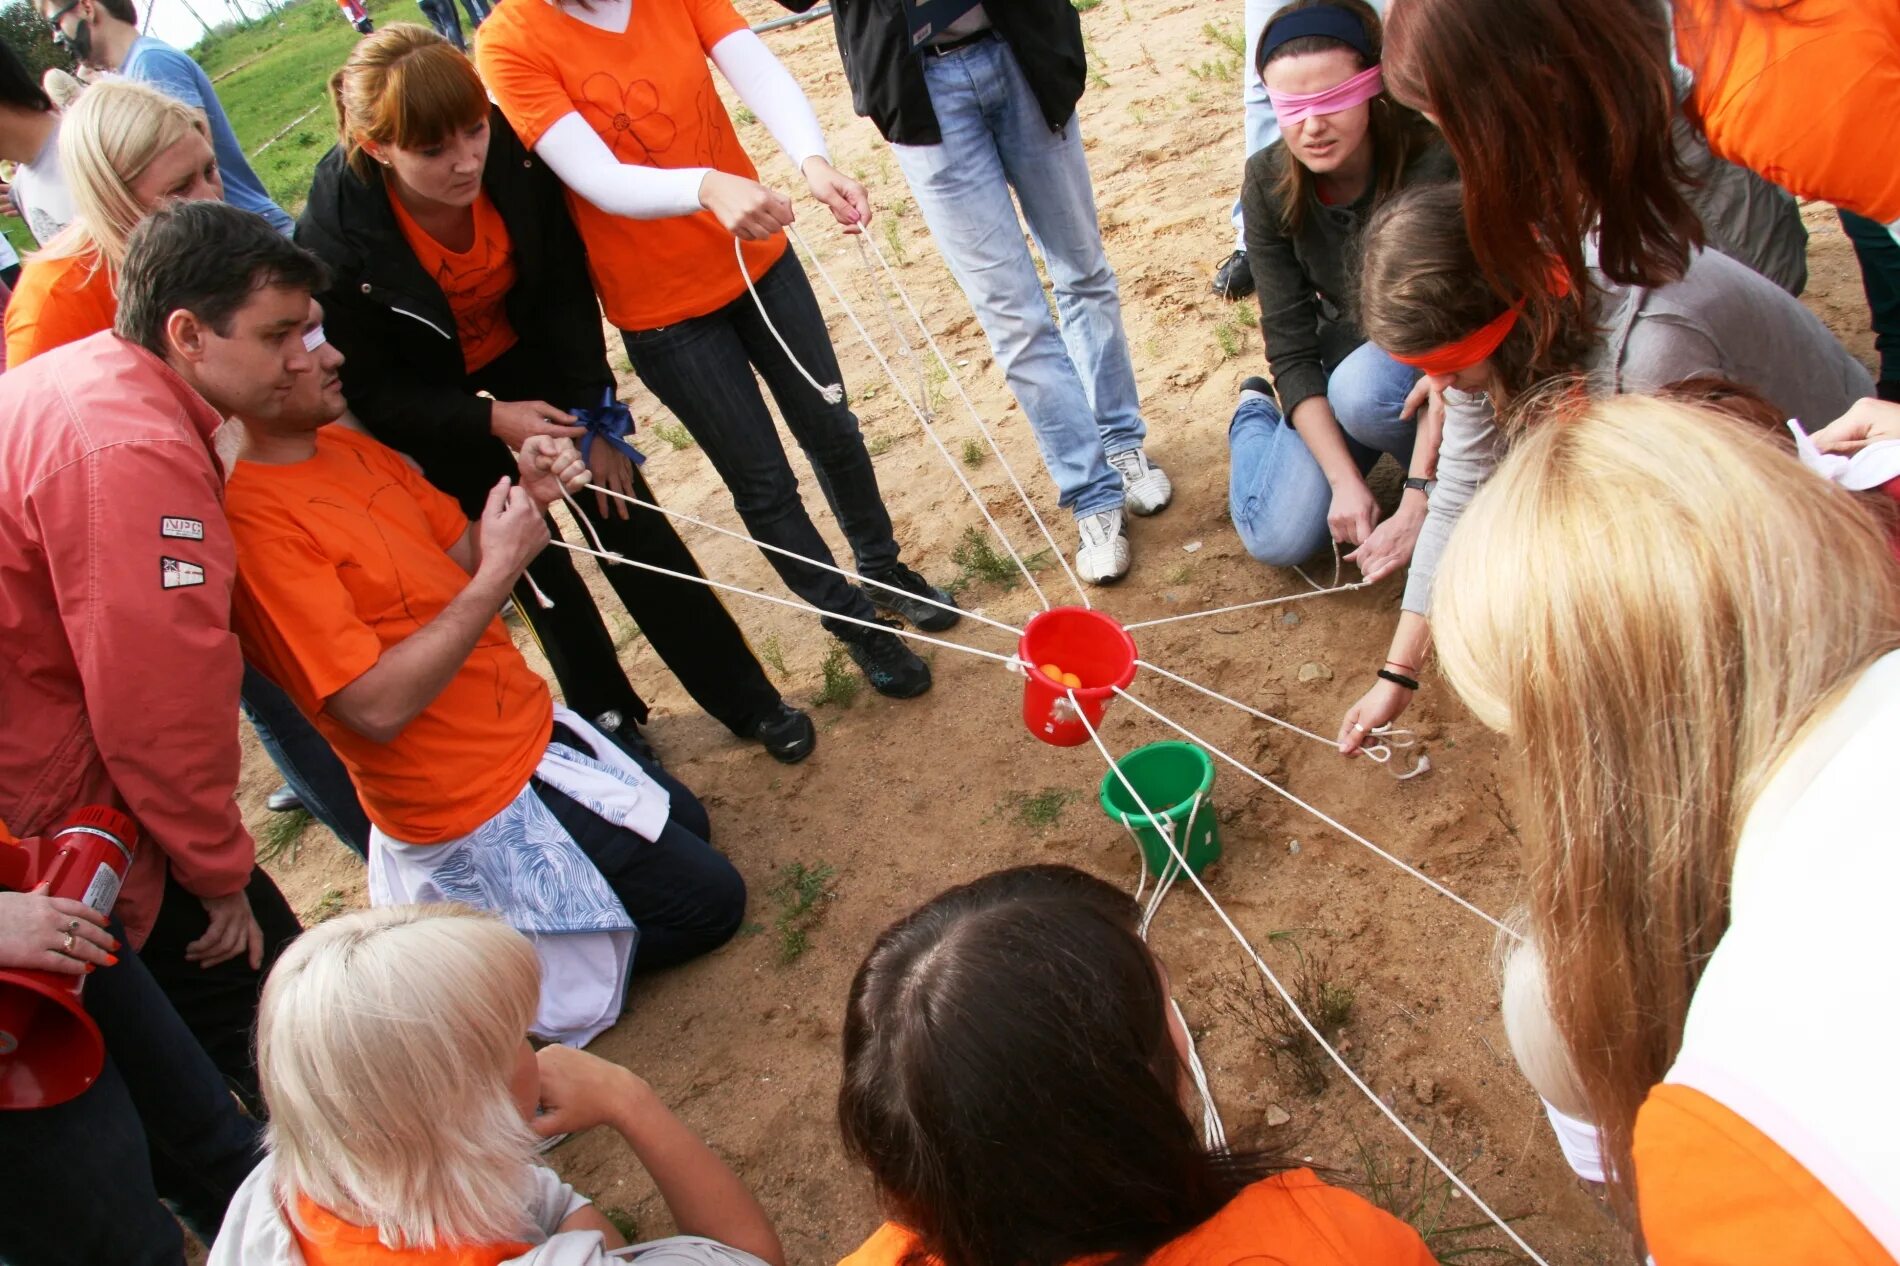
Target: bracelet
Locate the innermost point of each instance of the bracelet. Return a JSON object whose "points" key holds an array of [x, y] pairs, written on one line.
{"points": [[1393, 663], [1398, 679]]}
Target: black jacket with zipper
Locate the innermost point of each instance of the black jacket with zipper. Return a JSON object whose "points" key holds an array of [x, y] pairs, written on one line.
{"points": [[403, 371], [887, 77]]}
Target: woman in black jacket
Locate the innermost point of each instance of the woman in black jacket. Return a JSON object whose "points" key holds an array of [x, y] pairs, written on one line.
{"points": [[461, 301]]}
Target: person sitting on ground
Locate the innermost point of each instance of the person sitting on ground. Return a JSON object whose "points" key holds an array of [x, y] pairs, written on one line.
{"points": [[1424, 299], [104, 35], [1692, 645], [436, 220], [407, 1107], [373, 599], [29, 139], [1298, 474], [1015, 1080]]}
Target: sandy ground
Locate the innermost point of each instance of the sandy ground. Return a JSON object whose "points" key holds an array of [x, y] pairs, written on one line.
{"points": [[902, 799]]}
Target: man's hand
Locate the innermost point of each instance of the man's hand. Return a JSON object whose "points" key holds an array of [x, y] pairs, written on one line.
{"points": [[1354, 511], [1381, 705], [233, 931], [550, 466], [1868, 421], [746, 208], [513, 421], [580, 1091], [511, 531], [1390, 545], [35, 930], [850, 204], [611, 469]]}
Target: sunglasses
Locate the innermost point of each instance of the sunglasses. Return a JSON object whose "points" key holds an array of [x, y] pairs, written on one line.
{"points": [[53, 18]]}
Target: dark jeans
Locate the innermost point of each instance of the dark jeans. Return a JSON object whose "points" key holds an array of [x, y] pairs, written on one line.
{"points": [[1879, 257], [219, 1004], [305, 759], [84, 1178], [689, 627], [441, 15], [477, 10], [682, 894], [701, 369]]}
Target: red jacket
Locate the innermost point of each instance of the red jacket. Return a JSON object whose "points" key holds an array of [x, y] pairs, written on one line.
{"points": [[118, 669]]}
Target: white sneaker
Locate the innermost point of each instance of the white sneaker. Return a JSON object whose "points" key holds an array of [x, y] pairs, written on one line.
{"points": [[1103, 556], [1145, 484]]}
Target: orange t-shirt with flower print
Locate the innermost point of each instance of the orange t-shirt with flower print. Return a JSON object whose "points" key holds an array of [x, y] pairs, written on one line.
{"points": [[475, 281], [648, 91]]}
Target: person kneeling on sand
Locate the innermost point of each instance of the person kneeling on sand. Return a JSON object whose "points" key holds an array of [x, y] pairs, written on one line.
{"points": [[372, 599], [407, 1106]]}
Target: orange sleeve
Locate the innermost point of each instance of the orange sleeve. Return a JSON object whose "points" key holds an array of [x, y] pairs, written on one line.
{"points": [[889, 1245], [296, 621], [528, 91], [714, 20], [447, 522], [59, 301], [1715, 1191]]}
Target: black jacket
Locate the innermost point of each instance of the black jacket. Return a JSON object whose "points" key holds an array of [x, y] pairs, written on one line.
{"points": [[403, 371], [887, 78]]}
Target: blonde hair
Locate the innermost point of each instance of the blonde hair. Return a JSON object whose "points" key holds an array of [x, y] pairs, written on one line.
{"points": [[60, 88], [106, 141], [386, 1042], [404, 86], [1653, 603]]}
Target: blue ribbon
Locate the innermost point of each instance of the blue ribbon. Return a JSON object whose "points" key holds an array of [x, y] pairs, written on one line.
{"points": [[609, 420]]}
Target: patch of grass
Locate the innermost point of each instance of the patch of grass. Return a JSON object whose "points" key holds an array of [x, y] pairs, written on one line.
{"points": [[800, 893], [1258, 1008], [978, 560], [1216, 70], [1037, 810], [974, 453], [772, 655], [894, 236], [329, 905], [880, 444], [676, 435], [1136, 113], [626, 633], [1415, 1192], [1227, 35], [1182, 574], [842, 682], [1083, 6], [624, 1222], [744, 115], [277, 842], [1231, 333]]}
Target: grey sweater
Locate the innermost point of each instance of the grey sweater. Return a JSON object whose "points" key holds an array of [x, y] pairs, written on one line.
{"points": [[1306, 282], [1721, 318]]}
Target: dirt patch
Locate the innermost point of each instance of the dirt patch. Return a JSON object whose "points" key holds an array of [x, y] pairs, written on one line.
{"points": [[904, 798]]}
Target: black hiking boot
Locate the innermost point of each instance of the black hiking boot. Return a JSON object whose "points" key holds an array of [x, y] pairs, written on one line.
{"points": [[889, 665], [1233, 280], [787, 734], [926, 616]]}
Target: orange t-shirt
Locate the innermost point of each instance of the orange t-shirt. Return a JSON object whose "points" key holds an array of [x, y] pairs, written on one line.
{"points": [[342, 556], [649, 92], [1290, 1219], [476, 281], [330, 1241], [58, 301], [1716, 1191], [1810, 99]]}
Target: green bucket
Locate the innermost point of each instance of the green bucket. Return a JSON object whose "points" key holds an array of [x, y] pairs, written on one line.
{"points": [[1176, 782]]}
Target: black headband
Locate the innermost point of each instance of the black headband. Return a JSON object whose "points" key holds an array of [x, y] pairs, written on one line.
{"points": [[1333, 23]]}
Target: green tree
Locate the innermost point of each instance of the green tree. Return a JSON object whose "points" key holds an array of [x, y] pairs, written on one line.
{"points": [[31, 39]]}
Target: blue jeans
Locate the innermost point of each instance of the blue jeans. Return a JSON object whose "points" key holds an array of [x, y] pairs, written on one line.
{"points": [[701, 369], [305, 759], [1277, 494], [1076, 384], [85, 1177]]}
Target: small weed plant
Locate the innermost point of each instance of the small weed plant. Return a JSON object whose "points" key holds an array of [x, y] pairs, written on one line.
{"points": [[842, 683], [879, 444], [772, 655], [1227, 35], [277, 842], [1038, 810], [1258, 1008], [974, 453], [1415, 1192], [677, 437], [978, 560], [800, 894]]}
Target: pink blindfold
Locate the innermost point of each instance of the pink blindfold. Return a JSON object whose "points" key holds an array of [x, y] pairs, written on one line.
{"points": [[1297, 107]]}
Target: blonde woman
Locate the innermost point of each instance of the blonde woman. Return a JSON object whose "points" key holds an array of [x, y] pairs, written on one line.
{"points": [[1689, 641], [124, 148], [407, 1107]]}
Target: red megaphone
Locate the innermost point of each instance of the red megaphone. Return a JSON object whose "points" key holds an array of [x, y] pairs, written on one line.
{"points": [[50, 1050]]}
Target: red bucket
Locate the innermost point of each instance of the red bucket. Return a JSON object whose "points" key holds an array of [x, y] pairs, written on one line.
{"points": [[1085, 643]]}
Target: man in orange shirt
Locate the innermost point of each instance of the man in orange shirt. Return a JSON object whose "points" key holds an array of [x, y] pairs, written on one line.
{"points": [[372, 599]]}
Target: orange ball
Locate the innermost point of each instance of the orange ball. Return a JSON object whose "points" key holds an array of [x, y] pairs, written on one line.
{"points": [[1071, 680], [1052, 672]]}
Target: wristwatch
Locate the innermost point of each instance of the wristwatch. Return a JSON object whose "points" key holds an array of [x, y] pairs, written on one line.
{"points": [[1422, 485]]}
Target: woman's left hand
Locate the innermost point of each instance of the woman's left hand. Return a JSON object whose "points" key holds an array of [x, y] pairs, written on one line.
{"points": [[1381, 705], [849, 203], [1390, 545], [613, 470]]}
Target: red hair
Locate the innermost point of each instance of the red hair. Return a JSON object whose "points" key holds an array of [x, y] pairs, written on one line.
{"points": [[1560, 114]]}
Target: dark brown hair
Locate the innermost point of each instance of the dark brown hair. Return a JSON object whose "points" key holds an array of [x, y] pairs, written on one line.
{"points": [[1559, 113], [404, 86], [1397, 135], [1010, 1081], [1420, 287], [207, 258]]}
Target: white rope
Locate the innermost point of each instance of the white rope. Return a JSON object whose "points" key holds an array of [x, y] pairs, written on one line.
{"points": [[608, 556], [833, 394], [1379, 753], [1211, 1128], [849, 575], [1248, 606], [890, 320], [976, 417], [1294, 1007], [1333, 822], [924, 421]]}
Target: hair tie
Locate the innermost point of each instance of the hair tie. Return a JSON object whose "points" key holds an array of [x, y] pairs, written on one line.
{"points": [[1461, 354], [1328, 20]]}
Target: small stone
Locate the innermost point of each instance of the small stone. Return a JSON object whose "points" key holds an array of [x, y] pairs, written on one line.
{"points": [[1192, 547], [1293, 847], [1315, 672], [1425, 1090], [963, 364], [1277, 1116], [1290, 618]]}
